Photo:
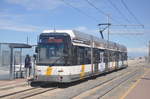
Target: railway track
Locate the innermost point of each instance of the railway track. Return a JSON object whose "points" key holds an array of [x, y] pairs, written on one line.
{"points": [[26, 93], [74, 91], [116, 84], [105, 85], [35, 91], [101, 90]]}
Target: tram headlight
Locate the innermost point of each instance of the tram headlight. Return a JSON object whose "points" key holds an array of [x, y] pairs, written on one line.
{"points": [[61, 70], [37, 70]]}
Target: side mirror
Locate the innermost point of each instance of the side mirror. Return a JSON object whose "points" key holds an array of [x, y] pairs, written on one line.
{"points": [[34, 56], [36, 49]]}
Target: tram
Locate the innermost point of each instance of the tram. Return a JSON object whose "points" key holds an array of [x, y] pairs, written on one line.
{"points": [[68, 55]]}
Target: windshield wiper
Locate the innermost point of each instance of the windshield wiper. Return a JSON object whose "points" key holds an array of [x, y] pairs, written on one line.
{"points": [[58, 60]]}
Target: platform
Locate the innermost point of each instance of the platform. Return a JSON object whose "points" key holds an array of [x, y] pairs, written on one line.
{"points": [[7, 84], [140, 89]]}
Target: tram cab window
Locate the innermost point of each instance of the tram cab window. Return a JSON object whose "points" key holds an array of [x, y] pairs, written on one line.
{"points": [[53, 50]]}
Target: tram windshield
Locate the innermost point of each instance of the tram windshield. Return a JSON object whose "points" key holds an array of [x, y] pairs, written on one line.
{"points": [[51, 51]]}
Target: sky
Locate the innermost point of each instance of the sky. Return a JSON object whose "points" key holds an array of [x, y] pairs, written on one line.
{"points": [[20, 19]]}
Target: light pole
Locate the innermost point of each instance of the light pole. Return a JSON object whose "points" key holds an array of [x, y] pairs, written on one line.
{"points": [[107, 26], [108, 39], [149, 53]]}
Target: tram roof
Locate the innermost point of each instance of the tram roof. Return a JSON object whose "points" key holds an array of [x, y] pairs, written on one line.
{"points": [[82, 39]]}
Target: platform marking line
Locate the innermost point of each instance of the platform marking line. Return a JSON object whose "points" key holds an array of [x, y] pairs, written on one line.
{"points": [[134, 85]]}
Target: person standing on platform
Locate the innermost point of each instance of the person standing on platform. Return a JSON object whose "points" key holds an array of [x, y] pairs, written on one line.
{"points": [[28, 65]]}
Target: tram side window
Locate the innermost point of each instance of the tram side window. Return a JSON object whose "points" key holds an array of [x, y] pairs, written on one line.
{"points": [[110, 56], [119, 56], [101, 57], [87, 55], [80, 55], [126, 56], [106, 56], [122, 56], [96, 56], [74, 56], [114, 56]]}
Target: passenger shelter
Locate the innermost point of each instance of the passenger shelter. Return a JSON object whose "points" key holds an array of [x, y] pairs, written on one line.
{"points": [[11, 60]]}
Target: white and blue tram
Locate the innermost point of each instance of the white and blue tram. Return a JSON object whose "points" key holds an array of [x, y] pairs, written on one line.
{"points": [[69, 55]]}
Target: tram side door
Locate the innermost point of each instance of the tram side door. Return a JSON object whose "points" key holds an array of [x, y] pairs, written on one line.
{"points": [[101, 64]]}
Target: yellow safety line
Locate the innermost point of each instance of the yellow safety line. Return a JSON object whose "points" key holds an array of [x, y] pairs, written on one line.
{"points": [[134, 85]]}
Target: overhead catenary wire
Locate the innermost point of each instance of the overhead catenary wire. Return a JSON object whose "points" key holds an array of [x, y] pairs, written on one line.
{"points": [[118, 10], [91, 17], [130, 12], [77, 9], [101, 11]]}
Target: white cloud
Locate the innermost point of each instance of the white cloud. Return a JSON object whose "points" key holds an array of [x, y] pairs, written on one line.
{"points": [[23, 28], [114, 31], [37, 4], [126, 31], [46, 4], [138, 50], [81, 28], [86, 30], [13, 22], [6, 24]]}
